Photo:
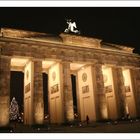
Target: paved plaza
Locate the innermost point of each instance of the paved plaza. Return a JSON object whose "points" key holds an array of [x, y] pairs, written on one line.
{"points": [[98, 127]]}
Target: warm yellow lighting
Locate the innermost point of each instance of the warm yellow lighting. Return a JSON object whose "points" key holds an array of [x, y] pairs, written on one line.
{"points": [[107, 75], [126, 76], [104, 113], [18, 62], [4, 111], [47, 63], [70, 113], [76, 66], [105, 67], [39, 113]]}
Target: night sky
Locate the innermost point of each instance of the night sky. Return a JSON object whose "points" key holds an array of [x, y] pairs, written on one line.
{"points": [[112, 25]]}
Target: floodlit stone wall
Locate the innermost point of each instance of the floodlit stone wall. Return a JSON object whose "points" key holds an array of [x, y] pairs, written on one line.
{"points": [[86, 93], [71, 48], [56, 94]]}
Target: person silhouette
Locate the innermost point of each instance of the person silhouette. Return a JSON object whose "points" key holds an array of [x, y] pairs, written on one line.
{"points": [[87, 119]]}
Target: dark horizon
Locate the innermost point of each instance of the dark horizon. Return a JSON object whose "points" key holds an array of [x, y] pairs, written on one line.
{"points": [[113, 25]]}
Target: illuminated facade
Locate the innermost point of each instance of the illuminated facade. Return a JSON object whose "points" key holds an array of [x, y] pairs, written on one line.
{"points": [[107, 76]]}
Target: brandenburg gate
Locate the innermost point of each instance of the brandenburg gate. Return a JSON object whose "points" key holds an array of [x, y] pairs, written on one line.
{"points": [[107, 76]]}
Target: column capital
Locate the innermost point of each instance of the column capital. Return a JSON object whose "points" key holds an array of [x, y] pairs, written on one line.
{"points": [[130, 67], [100, 63], [65, 62], [36, 59], [118, 66]]}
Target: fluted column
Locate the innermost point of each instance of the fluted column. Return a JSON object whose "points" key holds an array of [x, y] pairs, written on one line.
{"points": [[121, 92], [4, 90], [38, 93], [101, 99], [67, 92], [135, 77]]}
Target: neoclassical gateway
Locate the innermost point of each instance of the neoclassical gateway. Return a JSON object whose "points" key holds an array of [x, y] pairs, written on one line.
{"points": [[107, 76]]}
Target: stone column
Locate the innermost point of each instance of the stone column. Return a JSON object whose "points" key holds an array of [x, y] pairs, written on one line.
{"points": [[101, 99], [67, 93], [120, 95], [38, 93], [4, 90], [135, 79]]}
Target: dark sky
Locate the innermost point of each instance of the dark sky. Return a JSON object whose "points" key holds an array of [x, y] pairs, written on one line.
{"points": [[114, 25]]}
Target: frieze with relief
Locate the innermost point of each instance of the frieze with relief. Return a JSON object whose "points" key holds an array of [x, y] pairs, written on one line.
{"points": [[108, 89], [54, 88], [127, 89], [85, 89], [27, 88]]}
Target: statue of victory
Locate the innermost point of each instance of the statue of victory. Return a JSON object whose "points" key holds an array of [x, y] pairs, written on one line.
{"points": [[72, 28]]}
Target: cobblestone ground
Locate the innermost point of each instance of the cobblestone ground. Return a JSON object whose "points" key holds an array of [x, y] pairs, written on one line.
{"points": [[104, 127]]}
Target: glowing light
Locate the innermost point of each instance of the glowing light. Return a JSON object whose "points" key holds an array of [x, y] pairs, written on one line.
{"points": [[4, 111], [82, 68], [39, 113], [70, 113], [18, 62], [108, 123], [76, 66], [115, 122], [80, 124], [46, 64], [104, 113]]}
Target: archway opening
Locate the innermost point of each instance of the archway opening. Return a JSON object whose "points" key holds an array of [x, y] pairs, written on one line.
{"points": [[16, 91], [45, 96], [73, 79]]}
